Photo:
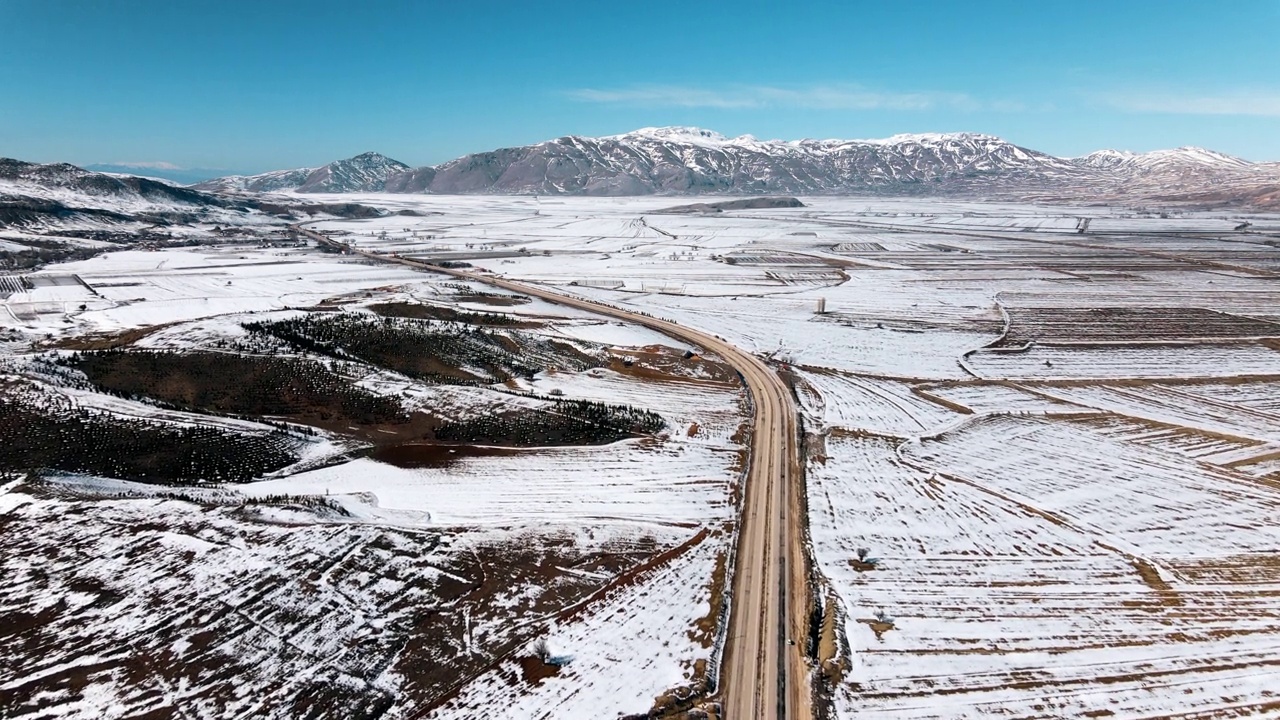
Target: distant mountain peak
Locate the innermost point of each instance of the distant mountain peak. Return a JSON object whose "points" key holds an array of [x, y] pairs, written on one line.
{"points": [[1197, 155], [366, 172], [701, 136], [1104, 159], [934, 138], [1185, 159], [1109, 153], [673, 133]]}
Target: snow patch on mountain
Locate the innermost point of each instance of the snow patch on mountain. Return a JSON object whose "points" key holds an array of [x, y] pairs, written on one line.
{"points": [[1104, 159], [680, 134], [1188, 157]]}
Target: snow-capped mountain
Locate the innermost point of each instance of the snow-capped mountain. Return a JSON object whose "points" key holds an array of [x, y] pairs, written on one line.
{"points": [[17, 175], [692, 161], [366, 172], [678, 160], [1104, 159], [274, 181], [34, 195], [1180, 159], [1185, 171], [39, 197]]}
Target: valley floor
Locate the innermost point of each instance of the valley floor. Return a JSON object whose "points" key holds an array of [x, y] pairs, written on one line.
{"points": [[1043, 468]]}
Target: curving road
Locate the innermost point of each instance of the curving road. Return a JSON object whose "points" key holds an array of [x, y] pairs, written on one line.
{"points": [[764, 675]]}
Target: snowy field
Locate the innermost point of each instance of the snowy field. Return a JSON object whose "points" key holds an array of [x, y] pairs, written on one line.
{"points": [[135, 596], [131, 289], [655, 614], [637, 524], [1066, 528], [1003, 606]]}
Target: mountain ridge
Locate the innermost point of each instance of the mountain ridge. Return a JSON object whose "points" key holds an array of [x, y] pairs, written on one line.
{"points": [[58, 196], [686, 160], [158, 171], [366, 172]]}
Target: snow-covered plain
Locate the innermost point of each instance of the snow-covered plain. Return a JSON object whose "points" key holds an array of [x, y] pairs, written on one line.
{"points": [[1063, 530], [645, 496], [138, 288]]}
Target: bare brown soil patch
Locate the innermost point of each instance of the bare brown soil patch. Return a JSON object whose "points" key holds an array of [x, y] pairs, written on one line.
{"points": [[657, 362], [1135, 382], [1151, 577], [858, 434], [1128, 324], [1256, 569], [433, 455], [862, 565], [109, 341], [533, 670], [878, 627]]}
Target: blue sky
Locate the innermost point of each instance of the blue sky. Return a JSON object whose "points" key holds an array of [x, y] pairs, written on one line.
{"points": [[266, 84]]}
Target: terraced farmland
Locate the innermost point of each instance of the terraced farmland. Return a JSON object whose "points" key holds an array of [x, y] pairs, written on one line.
{"points": [[1129, 324]]}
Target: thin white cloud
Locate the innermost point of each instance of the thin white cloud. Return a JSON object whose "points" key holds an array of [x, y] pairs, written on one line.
{"points": [[1262, 103], [818, 97]]}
